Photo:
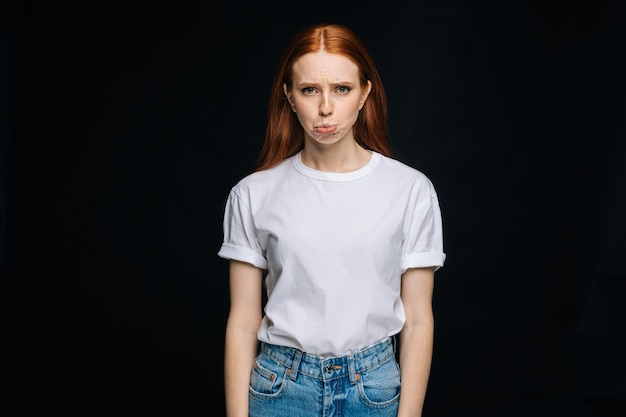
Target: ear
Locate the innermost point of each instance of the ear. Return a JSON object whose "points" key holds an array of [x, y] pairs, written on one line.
{"points": [[288, 95], [365, 94]]}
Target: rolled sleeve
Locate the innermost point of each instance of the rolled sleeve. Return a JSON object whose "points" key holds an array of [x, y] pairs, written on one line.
{"points": [[238, 253], [423, 244], [240, 241]]}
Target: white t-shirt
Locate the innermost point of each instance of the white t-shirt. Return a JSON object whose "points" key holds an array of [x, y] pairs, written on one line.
{"points": [[334, 246]]}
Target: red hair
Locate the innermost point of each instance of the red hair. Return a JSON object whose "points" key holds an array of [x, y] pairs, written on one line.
{"points": [[284, 136]]}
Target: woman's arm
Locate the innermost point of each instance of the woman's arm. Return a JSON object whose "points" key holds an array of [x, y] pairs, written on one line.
{"points": [[416, 339], [241, 344]]}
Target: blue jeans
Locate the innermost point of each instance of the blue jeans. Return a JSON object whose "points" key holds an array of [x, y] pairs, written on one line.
{"points": [[286, 382]]}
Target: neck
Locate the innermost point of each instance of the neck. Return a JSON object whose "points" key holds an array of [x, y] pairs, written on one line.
{"points": [[332, 159]]}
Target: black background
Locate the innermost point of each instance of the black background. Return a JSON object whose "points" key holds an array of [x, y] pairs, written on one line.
{"points": [[124, 125]]}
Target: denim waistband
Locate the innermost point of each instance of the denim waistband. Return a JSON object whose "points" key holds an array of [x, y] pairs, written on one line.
{"points": [[330, 368]]}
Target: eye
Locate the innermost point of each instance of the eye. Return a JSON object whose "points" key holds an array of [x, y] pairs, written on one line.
{"points": [[342, 89], [308, 90]]}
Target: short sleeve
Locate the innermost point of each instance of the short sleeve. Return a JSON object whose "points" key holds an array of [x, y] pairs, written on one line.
{"points": [[423, 241], [240, 242]]}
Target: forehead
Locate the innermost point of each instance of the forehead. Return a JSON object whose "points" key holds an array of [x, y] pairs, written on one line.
{"points": [[324, 65]]}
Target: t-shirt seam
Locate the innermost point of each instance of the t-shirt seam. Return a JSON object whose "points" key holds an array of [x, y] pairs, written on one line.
{"points": [[297, 165]]}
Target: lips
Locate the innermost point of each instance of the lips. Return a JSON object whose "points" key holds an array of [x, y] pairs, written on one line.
{"points": [[326, 129]]}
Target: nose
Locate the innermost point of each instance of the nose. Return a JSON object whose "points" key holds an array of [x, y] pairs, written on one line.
{"points": [[326, 107]]}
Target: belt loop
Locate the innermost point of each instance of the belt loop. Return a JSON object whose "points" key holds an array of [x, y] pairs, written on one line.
{"points": [[352, 369], [295, 365]]}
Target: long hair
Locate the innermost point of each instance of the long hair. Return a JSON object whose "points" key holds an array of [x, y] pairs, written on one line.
{"points": [[284, 136]]}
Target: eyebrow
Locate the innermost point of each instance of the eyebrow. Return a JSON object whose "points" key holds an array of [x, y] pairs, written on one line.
{"points": [[314, 84]]}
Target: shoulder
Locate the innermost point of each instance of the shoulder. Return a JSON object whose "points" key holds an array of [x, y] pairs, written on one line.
{"points": [[406, 181], [403, 172], [262, 180]]}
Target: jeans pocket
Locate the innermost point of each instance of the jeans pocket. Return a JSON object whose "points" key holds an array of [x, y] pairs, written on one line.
{"points": [[267, 377], [380, 386]]}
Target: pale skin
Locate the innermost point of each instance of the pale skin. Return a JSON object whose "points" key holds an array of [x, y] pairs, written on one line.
{"points": [[326, 96], [241, 344]]}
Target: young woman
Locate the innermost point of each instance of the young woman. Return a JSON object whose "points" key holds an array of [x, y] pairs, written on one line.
{"points": [[344, 239]]}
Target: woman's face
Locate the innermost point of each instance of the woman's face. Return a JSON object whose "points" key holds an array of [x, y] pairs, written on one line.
{"points": [[327, 96]]}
